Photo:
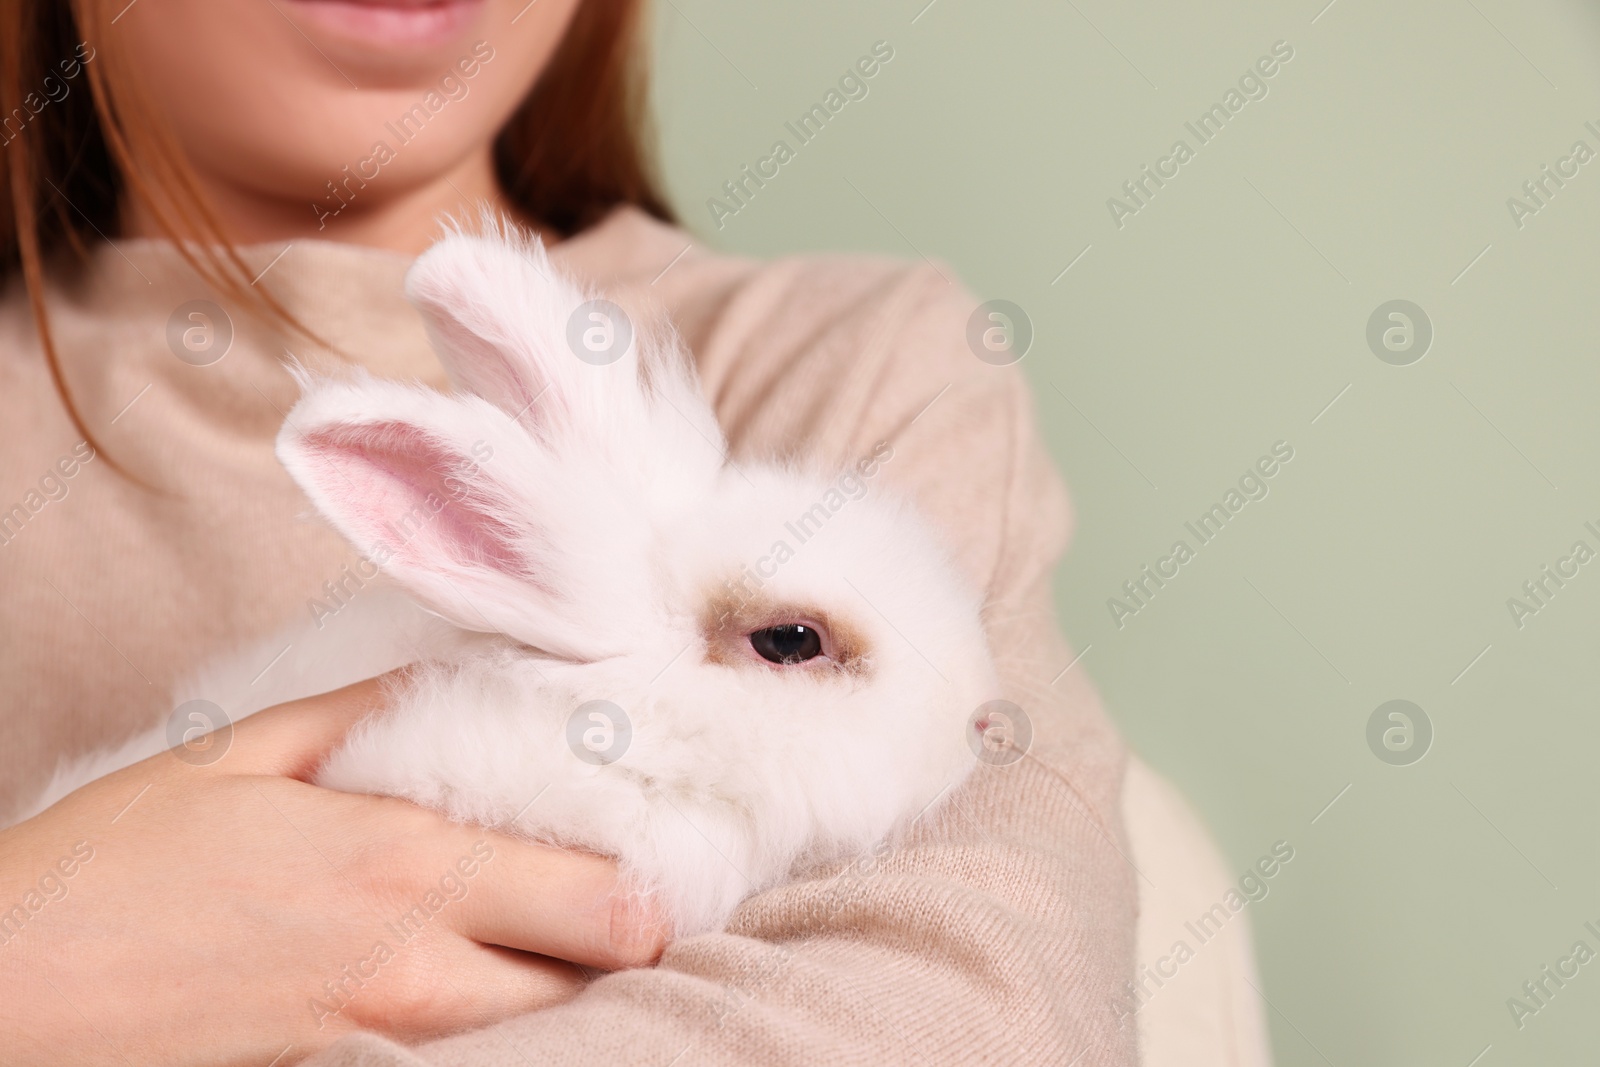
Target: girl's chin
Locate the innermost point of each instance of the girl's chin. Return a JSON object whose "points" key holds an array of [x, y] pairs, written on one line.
{"points": [[403, 24]]}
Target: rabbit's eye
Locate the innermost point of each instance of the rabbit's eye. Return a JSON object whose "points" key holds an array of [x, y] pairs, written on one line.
{"points": [[787, 644]]}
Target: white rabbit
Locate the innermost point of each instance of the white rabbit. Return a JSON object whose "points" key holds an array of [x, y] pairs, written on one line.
{"points": [[798, 667]]}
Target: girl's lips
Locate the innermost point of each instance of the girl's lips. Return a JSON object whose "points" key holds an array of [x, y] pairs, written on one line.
{"points": [[389, 22]]}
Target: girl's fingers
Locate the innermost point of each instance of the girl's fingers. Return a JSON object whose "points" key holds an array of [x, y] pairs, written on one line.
{"points": [[292, 739], [507, 983], [477, 985], [556, 903], [500, 891]]}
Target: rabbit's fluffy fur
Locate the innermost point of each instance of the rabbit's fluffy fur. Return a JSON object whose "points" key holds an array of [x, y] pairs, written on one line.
{"points": [[558, 532]]}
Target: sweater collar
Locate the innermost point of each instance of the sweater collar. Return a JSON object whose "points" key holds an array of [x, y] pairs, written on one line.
{"points": [[171, 375]]}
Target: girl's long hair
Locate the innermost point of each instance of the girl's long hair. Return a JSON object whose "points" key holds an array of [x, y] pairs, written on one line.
{"points": [[578, 146]]}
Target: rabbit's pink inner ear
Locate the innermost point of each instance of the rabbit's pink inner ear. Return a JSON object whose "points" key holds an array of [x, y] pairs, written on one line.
{"points": [[484, 367], [401, 493]]}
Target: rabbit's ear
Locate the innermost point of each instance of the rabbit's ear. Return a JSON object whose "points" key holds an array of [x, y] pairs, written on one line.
{"points": [[576, 373], [499, 316], [413, 479]]}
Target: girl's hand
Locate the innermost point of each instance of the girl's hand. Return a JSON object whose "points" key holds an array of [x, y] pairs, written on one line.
{"points": [[232, 913]]}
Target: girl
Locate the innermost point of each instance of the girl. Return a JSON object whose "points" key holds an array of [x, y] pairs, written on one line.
{"points": [[198, 190]]}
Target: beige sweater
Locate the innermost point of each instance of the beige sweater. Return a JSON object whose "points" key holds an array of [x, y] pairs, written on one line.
{"points": [[1002, 930]]}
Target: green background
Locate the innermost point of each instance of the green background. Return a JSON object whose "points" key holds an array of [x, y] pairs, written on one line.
{"points": [[1223, 317]]}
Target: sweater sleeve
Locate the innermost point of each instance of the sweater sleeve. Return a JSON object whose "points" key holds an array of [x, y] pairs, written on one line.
{"points": [[1001, 927]]}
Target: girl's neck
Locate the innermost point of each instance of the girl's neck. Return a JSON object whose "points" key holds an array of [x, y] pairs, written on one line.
{"points": [[357, 209]]}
